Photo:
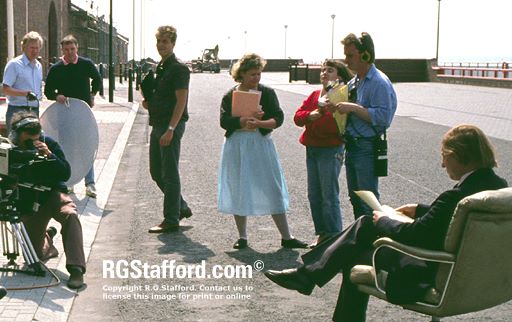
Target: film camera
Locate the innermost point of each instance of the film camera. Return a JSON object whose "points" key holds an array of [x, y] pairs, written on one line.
{"points": [[20, 176], [20, 191]]}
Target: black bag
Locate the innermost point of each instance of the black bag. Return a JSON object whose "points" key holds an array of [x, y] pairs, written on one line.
{"points": [[381, 155], [147, 85]]}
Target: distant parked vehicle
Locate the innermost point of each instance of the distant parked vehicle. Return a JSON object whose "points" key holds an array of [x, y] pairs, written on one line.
{"points": [[209, 62]]}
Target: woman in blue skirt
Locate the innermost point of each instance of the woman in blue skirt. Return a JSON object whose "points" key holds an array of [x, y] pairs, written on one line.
{"points": [[251, 181]]}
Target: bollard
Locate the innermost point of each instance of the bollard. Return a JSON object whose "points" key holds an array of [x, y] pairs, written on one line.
{"points": [[138, 78], [120, 73], [102, 76], [130, 85], [111, 83]]}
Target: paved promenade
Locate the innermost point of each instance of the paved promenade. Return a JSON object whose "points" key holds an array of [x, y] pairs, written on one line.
{"points": [[115, 224], [54, 304]]}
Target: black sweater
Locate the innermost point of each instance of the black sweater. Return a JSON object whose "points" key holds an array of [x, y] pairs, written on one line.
{"points": [[51, 173], [73, 80]]}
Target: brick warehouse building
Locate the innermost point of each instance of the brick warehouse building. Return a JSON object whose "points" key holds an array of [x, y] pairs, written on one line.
{"points": [[54, 19]]}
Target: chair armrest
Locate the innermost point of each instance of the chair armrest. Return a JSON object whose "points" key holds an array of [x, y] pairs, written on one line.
{"points": [[420, 253], [416, 252]]}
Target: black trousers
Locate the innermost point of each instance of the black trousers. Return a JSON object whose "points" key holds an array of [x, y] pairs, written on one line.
{"points": [[340, 253], [408, 279]]}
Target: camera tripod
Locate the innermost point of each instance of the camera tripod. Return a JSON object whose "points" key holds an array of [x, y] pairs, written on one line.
{"points": [[16, 237], [12, 240]]}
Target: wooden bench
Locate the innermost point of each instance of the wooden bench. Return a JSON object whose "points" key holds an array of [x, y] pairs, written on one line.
{"points": [[308, 73]]}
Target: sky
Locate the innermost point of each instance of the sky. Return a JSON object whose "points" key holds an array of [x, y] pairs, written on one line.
{"points": [[470, 30]]}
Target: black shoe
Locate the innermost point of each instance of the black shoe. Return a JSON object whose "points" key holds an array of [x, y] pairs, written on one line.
{"points": [[3, 292], [76, 277], [293, 243], [185, 213], [164, 228], [51, 231], [291, 279], [240, 244]]}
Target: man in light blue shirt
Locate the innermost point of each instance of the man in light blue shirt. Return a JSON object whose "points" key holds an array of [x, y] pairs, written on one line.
{"points": [[370, 114], [23, 77]]}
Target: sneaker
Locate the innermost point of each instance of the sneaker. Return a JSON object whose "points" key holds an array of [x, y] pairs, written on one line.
{"points": [[90, 190], [76, 277]]}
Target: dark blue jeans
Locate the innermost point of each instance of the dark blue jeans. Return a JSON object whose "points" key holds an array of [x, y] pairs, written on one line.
{"points": [[360, 166], [89, 177], [324, 166], [164, 169]]}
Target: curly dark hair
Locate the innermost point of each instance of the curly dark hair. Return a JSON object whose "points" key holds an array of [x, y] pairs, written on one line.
{"points": [[247, 62], [342, 69]]}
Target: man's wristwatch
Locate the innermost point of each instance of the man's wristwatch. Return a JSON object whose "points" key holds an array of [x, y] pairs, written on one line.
{"points": [[170, 128]]}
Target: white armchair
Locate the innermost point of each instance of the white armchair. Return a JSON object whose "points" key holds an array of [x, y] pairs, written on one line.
{"points": [[475, 267]]}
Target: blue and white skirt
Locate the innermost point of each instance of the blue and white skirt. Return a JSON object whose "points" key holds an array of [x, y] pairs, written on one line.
{"points": [[251, 181]]}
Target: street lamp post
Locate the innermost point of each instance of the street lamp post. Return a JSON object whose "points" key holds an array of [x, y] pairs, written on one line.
{"points": [[10, 29], [245, 41], [332, 36], [438, 18], [111, 79], [133, 35], [142, 30], [285, 29]]}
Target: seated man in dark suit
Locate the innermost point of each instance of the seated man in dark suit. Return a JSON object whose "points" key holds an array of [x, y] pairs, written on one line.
{"points": [[468, 157]]}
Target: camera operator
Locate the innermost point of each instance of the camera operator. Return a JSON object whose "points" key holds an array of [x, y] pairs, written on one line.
{"points": [[26, 134]]}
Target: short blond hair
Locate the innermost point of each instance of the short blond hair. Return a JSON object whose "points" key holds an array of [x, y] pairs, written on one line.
{"points": [[470, 146], [30, 37], [167, 31], [247, 62]]}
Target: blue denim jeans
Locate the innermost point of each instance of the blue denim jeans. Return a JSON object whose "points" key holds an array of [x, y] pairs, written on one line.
{"points": [[360, 168], [164, 169], [324, 166], [89, 177], [11, 110]]}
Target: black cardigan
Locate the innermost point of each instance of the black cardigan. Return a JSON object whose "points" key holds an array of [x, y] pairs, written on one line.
{"points": [[269, 103]]}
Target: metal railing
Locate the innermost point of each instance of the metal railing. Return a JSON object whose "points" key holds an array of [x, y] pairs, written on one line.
{"points": [[488, 71], [475, 64]]}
